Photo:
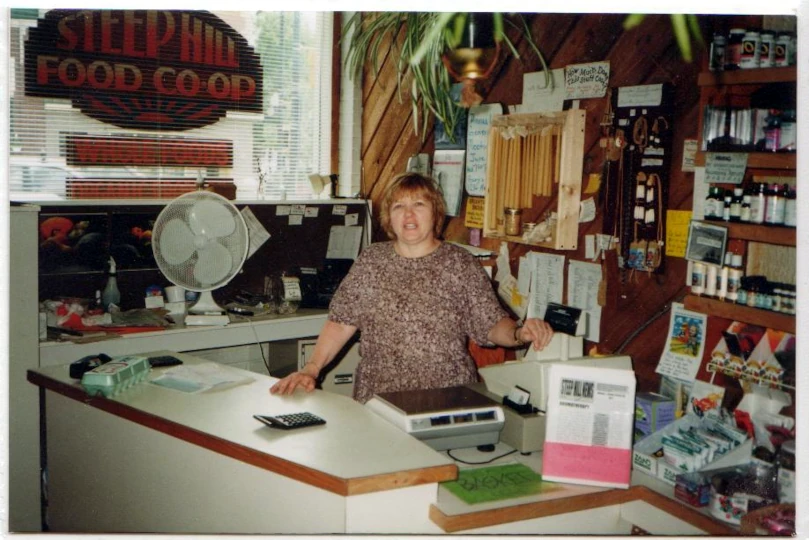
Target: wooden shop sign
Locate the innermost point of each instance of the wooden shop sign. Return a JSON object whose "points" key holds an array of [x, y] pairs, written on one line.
{"points": [[143, 69], [83, 150]]}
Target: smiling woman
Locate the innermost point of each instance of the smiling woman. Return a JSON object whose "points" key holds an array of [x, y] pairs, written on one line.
{"points": [[417, 302]]}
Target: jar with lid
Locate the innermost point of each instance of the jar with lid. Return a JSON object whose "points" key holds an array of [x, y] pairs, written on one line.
{"points": [[513, 221], [751, 49], [286, 291], [786, 472], [783, 42], [790, 207], [717, 55], [775, 205], [767, 49], [733, 49], [735, 275]]}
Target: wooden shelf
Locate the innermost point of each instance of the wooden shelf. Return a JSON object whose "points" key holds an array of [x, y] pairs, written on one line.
{"points": [[767, 234], [748, 76], [737, 312], [782, 161]]}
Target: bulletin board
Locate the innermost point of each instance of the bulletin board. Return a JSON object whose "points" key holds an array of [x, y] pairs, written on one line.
{"points": [[76, 243]]}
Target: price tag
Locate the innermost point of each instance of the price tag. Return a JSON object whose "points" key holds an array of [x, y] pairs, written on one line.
{"points": [[292, 288]]}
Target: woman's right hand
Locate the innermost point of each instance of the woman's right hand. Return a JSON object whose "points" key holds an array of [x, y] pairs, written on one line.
{"points": [[303, 379]]}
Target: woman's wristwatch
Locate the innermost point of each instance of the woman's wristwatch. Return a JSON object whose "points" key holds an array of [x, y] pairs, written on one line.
{"points": [[517, 340]]}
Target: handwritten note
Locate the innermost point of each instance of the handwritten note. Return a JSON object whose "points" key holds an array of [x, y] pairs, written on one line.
{"points": [[474, 212], [477, 146], [587, 80], [725, 168], [547, 279], [677, 222], [583, 280]]}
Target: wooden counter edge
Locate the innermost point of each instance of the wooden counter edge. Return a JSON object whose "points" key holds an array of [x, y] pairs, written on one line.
{"points": [[576, 503], [339, 486]]}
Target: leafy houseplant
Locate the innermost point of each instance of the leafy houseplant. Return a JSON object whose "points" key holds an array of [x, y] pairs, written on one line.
{"points": [[421, 52]]}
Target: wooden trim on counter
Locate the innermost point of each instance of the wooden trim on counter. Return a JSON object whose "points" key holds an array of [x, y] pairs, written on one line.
{"points": [[333, 484], [576, 503]]}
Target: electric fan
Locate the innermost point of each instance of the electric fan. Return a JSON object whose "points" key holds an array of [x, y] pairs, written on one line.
{"points": [[200, 242]]}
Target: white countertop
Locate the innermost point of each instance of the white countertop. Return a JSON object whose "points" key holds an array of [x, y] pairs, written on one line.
{"points": [[354, 444]]}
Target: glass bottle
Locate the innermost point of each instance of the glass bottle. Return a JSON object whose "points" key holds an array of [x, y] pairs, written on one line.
{"points": [[717, 57], [744, 217], [726, 207], [790, 206], [758, 203], [736, 205], [774, 214], [713, 204]]}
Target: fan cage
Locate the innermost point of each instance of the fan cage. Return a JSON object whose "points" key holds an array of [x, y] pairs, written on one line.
{"points": [[182, 274]]}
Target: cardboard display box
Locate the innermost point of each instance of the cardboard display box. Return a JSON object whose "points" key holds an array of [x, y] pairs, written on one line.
{"points": [[645, 460]]}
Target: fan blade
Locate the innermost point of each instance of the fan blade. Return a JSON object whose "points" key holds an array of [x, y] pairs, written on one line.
{"points": [[211, 219], [176, 242], [214, 263]]}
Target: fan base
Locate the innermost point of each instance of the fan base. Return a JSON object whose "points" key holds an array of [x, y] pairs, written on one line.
{"points": [[206, 320]]}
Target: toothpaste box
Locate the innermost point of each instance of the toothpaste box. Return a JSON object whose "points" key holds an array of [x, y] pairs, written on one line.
{"points": [[653, 412]]}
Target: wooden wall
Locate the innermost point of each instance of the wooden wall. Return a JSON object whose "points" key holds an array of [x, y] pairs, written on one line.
{"points": [[636, 317]]}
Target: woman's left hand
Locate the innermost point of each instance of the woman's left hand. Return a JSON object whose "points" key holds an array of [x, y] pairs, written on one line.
{"points": [[537, 332]]}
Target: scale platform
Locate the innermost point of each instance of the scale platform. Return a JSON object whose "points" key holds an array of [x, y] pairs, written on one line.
{"points": [[443, 418]]}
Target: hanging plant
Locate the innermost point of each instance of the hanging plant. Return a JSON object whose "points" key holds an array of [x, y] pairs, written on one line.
{"points": [[422, 53]]}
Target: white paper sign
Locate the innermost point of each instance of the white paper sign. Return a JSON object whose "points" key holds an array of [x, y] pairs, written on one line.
{"points": [[477, 147], [647, 95], [547, 280], [539, 95], [344, 242], [583, 280], [448, 169], [682, 355], [725, 167], [587, 80]]}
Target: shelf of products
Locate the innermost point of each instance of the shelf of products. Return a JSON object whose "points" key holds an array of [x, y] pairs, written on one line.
{"points": [[735, 90], [738, 312]]}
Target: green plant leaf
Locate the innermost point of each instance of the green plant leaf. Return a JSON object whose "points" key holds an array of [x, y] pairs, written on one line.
{"points": [[680, 27], [633, 20]]}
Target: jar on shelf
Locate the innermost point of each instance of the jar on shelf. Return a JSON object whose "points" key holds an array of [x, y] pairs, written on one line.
{"points": [[783, 42], [758, 202], [717, 55], [767, 49], [513, 221], [751, 50], [714, 203], [733, 50]]}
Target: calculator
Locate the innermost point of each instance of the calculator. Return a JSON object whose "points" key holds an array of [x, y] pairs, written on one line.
{"points": [[290, 421]]}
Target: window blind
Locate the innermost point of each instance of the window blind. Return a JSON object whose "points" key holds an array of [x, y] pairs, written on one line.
{"points": [[267, 152]]}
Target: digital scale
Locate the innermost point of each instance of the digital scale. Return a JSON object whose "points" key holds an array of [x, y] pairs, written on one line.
{"points": [[443, 418]]}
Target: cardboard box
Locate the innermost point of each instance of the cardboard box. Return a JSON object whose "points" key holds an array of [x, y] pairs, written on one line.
{"points": [[652, 413], [645, 458]]}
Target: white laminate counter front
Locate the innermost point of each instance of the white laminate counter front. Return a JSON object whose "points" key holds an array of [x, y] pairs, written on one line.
{"points": [[303, 323], [356, 454]]}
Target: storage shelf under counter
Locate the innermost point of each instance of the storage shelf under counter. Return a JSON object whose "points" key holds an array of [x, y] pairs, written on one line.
{"points": [[301, 324]]}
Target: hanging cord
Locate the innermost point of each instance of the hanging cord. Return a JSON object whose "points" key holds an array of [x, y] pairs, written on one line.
{"points": [[449, 453], [640, 132]]}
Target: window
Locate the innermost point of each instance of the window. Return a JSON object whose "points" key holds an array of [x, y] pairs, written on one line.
{"points": [[283, 139]]}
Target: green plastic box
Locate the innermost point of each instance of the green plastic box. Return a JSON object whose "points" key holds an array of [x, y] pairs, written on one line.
{"points": [[116, 375]]}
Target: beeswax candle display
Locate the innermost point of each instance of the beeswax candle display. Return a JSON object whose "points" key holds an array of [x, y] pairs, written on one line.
{"points": [[525, 166]]}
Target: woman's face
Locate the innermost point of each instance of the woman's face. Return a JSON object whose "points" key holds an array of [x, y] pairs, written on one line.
{"points": [[411, 218]]}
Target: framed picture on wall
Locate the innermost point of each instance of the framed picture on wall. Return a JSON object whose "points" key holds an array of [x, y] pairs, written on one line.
{"points": [[706, 243]]}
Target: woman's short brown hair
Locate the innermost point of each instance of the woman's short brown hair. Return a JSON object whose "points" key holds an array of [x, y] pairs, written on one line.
{"points": [[412, 184]]}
